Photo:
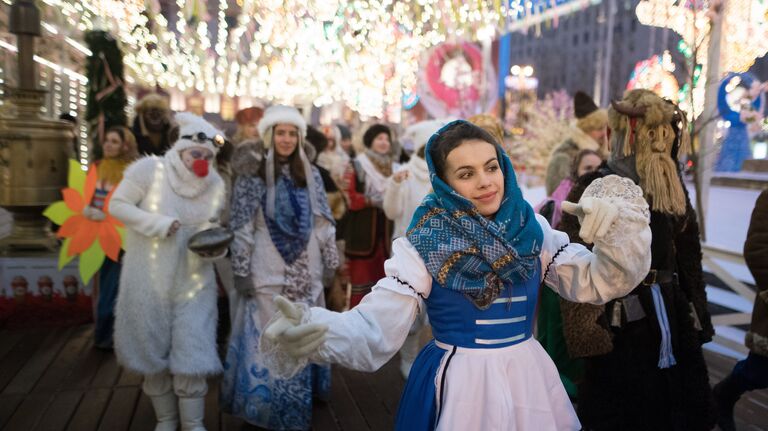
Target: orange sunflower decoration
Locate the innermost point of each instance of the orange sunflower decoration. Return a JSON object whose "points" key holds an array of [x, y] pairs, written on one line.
{"points": [[91, 238]]}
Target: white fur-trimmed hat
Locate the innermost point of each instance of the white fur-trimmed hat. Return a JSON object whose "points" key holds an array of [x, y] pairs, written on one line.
{"points": [[192, 128], [419, 133], [281, 114]]}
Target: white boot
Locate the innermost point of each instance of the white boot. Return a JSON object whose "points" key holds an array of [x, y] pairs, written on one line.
{"points": [[192, 411], [167, 411]]}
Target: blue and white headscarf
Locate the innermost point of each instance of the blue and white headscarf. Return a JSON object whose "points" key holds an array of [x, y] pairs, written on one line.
{"points": [[467, 252], [294, 207]]}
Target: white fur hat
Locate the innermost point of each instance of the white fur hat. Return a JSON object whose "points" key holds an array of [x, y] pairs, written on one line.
{"points": [[419, 133], [281, 114], [191, 125]]}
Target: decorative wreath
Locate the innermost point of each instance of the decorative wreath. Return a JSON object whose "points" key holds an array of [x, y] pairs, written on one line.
{"points": [[441, 55]]}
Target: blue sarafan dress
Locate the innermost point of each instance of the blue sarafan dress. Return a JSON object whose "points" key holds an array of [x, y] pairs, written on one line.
{"points": [[479, 281], [480, 338]]}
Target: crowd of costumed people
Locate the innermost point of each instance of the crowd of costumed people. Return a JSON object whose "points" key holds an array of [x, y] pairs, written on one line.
{"points": [[271, 255]]}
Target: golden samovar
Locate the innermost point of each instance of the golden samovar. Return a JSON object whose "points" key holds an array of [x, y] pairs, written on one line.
{"points": [[33, 150]]}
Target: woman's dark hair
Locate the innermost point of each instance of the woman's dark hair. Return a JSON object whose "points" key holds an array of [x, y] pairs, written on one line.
{"points": [[317, 139], [295, 166], [451, 137], [579, 157]]}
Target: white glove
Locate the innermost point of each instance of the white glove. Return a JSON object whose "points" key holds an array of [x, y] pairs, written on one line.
{"points": [[93, 213], [596, 216], [295, 339]]}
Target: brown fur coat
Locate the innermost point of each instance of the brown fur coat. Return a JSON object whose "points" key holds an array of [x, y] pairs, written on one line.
{"points": [[756, 255]]}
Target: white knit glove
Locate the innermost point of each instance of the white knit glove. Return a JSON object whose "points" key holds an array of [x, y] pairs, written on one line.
{"points": [[93, 213], [298, 340], [596, 216]]}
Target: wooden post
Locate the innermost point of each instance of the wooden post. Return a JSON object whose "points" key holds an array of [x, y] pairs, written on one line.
{"points": [[706, 153], [605, 92]]}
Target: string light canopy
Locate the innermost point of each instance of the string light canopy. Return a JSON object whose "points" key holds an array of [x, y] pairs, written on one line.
{"points": [[745, 30], [363, 53]]}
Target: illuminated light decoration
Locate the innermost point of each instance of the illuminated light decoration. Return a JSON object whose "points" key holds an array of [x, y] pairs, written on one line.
{"points": [[47, 63], [298, 51], [740, 101], [534, 13], [655, 74], [745, 34], [49, 28], [410, 100]]}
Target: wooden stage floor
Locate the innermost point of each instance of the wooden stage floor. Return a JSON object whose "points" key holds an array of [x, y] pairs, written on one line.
{"points": [[53, 379]]}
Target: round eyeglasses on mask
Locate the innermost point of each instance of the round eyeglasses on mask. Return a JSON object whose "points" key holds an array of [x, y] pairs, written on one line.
{"points": [[200, 154], [201, 138]]}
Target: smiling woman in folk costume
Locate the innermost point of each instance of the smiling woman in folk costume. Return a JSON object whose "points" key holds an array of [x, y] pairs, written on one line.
{"points": [[284, 238], [165, 326], [119, 150], [367, 230], [474, 257], [644, 367]]}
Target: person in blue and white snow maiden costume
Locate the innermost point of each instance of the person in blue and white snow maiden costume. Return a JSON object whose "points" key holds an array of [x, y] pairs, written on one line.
{"points": [[475, 255], [284, 238]]}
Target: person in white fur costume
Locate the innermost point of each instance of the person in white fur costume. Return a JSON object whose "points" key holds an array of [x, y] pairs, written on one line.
{"points": [[404, 192], [165, 327]]}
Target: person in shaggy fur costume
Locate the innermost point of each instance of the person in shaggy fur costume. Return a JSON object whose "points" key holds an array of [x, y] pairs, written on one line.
{"points": [[589, 133], [165, 327], [644, 367], [152, 125]]}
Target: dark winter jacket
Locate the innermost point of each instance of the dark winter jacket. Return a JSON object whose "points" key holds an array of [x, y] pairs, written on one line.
{"points": [[756, 255]]}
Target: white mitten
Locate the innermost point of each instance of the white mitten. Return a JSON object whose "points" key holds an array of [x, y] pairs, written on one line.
{"points": [[596, 216], [298, 340], [93, 213]]}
